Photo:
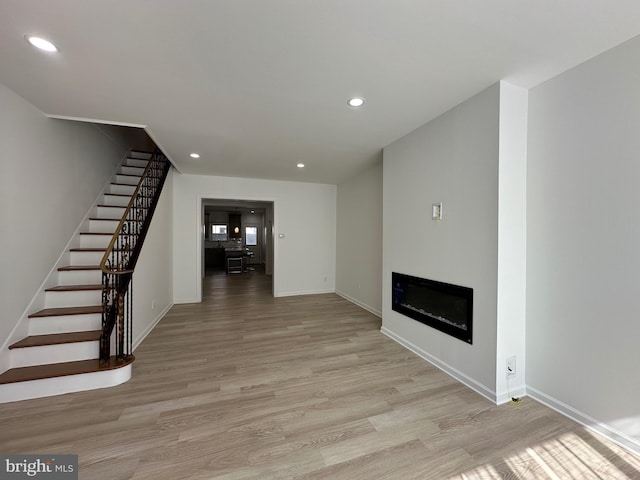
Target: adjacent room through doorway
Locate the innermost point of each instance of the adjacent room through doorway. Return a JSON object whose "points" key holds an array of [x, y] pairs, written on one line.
{"points": [[237, 237]]}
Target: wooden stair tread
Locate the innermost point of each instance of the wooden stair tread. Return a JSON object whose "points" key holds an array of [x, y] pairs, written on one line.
{"points": [[59, 311], [93, 249], [114, 220], [96, 233], [75, 288], [53, 370], [116, 195], [57, 339], [123, 184], [75, 268], [120, 206]]}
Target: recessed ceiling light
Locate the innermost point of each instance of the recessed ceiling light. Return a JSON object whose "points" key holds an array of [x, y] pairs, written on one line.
{"points": [[41, 43], [195, 155], [356, 102], [300, 165]]}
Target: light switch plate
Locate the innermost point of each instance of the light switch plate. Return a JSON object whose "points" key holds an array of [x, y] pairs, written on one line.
{"points": [[436, 211]]}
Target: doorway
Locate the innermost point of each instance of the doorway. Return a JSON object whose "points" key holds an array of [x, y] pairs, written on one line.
{"points": [[237, 237]]}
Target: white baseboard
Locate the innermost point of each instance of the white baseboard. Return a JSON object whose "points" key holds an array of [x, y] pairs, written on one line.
{"points": [[448, 369], [303, 292], [377, 313], [591, 423], [181, 301], [150, 327], [517, 392]]}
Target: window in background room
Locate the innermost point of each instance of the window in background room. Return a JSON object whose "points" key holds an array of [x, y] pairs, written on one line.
{"points": [[218, 232], [251, 235]]}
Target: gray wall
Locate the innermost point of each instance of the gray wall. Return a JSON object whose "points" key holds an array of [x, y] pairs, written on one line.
{"points": [[454, 160], [51, 172], [359, 239], [583, 241]]}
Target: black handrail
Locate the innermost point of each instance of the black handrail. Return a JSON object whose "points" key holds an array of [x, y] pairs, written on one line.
{"points": [[121, 256]]}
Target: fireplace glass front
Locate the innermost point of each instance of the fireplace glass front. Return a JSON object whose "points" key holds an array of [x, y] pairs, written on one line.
{"points": [[443, 306]]}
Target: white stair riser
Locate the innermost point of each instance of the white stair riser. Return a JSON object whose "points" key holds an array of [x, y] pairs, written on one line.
{"points": [[67, 352], [80, 277], [126, 179], [110, 212], [122, 189], [101, 226], [65, 324], [95, 241], [47, 387], [116, 200], [76, 298], [136, 162], [131, 170], [86, 258], [140, 154]]}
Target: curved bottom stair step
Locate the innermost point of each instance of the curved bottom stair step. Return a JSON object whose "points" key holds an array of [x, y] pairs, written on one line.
{"points": [[59, 378], [53, 370]]}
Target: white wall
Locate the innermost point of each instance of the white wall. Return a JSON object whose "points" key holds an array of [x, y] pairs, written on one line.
{"points": [[512, 242], [359, 239], [305, 213], [51, 172], [583, 242], [153, 276], [454, 160]]}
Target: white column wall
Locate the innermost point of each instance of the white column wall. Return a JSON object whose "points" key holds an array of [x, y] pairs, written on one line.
{"points": [[512, 244]]}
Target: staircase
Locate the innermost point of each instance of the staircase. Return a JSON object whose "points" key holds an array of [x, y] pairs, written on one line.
{"points": [[69, 344]]}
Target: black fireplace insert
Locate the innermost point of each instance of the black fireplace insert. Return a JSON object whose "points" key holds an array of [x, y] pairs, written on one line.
{"points": [[443, 306]]}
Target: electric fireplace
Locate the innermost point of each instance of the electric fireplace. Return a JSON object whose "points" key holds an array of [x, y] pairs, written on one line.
{"points": [[445, 307]]}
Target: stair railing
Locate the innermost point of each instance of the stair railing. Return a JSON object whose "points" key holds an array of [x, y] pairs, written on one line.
{"points": [[120, 258]]}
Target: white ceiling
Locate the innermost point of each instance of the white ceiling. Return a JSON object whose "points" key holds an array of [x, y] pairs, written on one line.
{"points": [[256, 86]]}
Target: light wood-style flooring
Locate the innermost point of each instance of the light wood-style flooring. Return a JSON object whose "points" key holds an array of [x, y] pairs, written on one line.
{"points": [[246, 386]]}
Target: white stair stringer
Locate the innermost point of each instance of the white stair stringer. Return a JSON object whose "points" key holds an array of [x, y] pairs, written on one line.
{"points": [[74, 364]]}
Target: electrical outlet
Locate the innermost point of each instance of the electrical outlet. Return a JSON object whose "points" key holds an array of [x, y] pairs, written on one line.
{"points": [[511, 367]]}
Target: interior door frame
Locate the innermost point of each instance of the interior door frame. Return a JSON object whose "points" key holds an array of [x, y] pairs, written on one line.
{"points": [[199, 234]]}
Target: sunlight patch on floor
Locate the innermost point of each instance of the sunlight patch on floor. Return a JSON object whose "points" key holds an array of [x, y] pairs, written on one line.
{"points": [[567, 457]]}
